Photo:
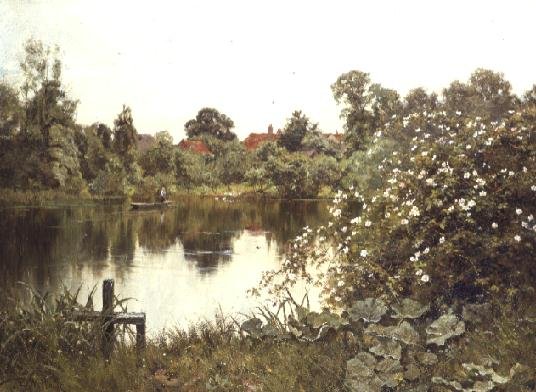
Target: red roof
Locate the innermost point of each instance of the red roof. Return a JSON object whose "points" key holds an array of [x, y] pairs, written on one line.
{"points": [[197, 146], [254, 140]]}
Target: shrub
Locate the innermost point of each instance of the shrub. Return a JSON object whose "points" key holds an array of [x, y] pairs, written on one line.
{"points": [[454, 215]]}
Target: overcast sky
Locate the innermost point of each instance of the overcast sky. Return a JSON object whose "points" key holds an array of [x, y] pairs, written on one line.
{"points": [[257, 61]]}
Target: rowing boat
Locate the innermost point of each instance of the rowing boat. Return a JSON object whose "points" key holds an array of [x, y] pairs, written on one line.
{"points": [[139, 206]]}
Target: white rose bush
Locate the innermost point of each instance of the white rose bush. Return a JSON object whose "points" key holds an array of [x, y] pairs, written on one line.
{"points": [[454, 215]]}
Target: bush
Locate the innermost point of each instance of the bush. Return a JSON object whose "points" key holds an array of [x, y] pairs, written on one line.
{"points": [[454, 215]]}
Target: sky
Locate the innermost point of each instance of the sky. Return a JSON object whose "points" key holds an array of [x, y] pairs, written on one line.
{"points": [[258, 61]]}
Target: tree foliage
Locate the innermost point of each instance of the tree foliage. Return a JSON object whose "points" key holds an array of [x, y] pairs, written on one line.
{"points": [[209, 121], [296, 128]]}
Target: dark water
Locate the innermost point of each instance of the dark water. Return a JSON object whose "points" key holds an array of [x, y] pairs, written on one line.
{"points": [[181, 264]]}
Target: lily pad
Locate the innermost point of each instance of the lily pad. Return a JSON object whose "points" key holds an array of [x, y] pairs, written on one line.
{"points": [[412, 372], [369, 310], [441, 381], [409, 309], [403, 332], [387, 349], [356, 369], [316, 320], [390, 372], [444, 328], [427, 359]]}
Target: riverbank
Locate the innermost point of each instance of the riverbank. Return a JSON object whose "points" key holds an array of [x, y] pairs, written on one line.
{"points": [[11, 197], [469, 347]]}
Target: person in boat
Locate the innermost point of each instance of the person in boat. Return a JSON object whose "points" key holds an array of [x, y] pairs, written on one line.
{"points": [[162, 195]]}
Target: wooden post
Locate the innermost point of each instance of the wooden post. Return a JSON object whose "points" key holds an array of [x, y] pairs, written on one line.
{"points": [[107, 317], [140, 334]]}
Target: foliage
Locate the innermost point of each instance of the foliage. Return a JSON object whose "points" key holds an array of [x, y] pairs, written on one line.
{"points": [[45, 101], [296, 128], [209, 121], [297, 176], [366, 107], [159, 158], [10, 111], [452, 216], [125, 135]]}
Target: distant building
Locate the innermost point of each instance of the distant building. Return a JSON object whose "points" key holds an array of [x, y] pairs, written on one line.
{"points": [[145, 142], [254, 140], [197, 146]]}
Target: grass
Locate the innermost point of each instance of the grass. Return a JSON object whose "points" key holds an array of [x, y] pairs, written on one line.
{"points": [[42, 350], [11, 197]]}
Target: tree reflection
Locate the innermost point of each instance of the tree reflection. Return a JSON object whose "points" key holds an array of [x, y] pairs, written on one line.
{"points": [[41, 245]]}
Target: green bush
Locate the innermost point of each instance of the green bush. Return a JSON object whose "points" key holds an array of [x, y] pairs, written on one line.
{"points": [[453, 215]]}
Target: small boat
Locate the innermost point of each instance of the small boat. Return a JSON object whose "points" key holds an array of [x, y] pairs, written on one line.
{"points": [[139, 206]]}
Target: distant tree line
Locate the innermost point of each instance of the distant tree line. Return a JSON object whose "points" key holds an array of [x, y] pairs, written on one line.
{"points": [[43, 147]]}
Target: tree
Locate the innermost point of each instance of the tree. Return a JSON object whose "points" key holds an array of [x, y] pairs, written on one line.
{"points": [[124, 132], [530, 96], [492, 93], [9, 111], [159, 158], [46, 103], [209, 121], [417, 100], [351, 91], [295, 130], [366, 108], [487, 95], [105, 134]]}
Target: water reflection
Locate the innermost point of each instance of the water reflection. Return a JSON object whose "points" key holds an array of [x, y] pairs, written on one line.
{"points": [[180, 263]]}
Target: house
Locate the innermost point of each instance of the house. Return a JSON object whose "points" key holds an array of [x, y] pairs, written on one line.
{"points": [[254, 140], [197, 146], [145, 142]]}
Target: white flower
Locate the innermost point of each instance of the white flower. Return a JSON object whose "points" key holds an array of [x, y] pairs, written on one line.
{"points": [[533, 188], [343, 229], [441, 240], [368, 223], [494, 225], [404, 221], [517, 238], [414, 211], [530, 218], [510, 173], [357, 219], [418, 272], [425, 278], [467, 175], [483, 193], [363, 253], [519, 211]]}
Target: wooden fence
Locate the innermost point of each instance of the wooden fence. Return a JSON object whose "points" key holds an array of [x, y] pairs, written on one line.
{"points": [[109, 318]]}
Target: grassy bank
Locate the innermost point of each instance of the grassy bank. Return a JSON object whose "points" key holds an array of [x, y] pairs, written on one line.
{"points": [[11, 197], [41, 350]]}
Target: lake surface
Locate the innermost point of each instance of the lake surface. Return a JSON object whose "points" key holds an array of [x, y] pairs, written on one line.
{"points": [[181, 264]]}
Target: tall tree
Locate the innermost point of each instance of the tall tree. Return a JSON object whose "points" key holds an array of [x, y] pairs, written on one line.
{"points": [[45, 101], [492, 93], [366, 107], [125, 134], [159, 158], [296, 128], [417, 100], [209, 121], [9, 111]]}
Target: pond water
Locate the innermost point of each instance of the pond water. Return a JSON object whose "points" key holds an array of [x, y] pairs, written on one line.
{"points": [[181, 264]]}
